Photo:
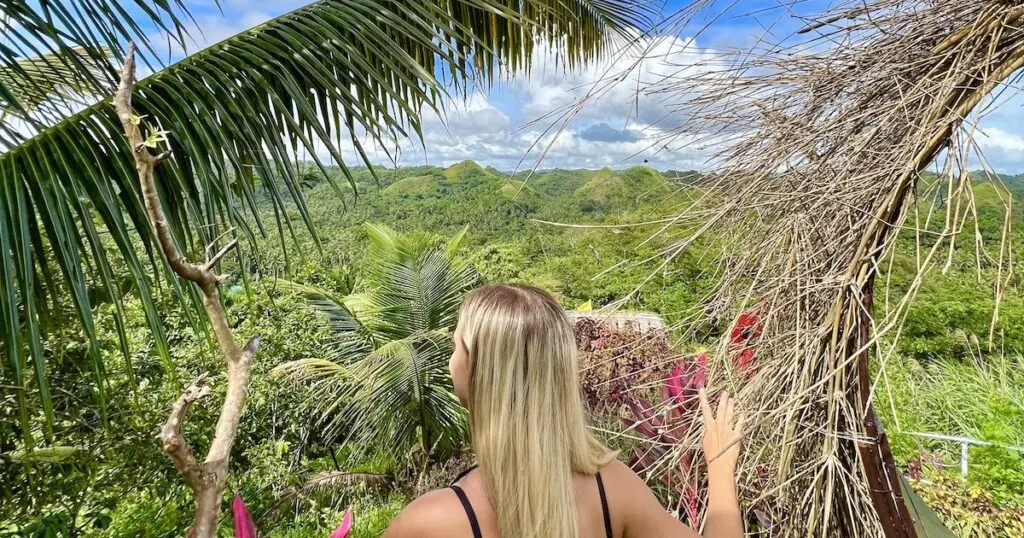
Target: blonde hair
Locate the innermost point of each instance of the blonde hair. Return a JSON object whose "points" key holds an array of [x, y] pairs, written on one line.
{"points": [[527, 419]]}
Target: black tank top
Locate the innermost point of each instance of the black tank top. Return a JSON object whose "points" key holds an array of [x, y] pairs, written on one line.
{"points": [[475, 525]]}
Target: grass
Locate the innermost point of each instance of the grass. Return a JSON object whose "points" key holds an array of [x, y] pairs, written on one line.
{"points": [[371, 519]]}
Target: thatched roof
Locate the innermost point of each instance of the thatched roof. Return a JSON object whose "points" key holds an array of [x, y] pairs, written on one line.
{"points": [[818, 142]]}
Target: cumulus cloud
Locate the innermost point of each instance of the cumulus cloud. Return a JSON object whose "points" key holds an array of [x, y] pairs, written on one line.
{"points": [[594, 117], [611, 113]]}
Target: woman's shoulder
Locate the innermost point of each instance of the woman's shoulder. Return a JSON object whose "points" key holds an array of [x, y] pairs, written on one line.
{"points": [[618, 474], [435, 513], [628, 495]]}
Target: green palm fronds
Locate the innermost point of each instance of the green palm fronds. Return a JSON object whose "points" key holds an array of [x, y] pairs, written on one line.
{"points": [[322, 78], [397, 393]]}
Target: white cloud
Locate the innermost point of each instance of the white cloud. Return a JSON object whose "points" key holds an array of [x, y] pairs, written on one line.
{"points": [[584, 119]]}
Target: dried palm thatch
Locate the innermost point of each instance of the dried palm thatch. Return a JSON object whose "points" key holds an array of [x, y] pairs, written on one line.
{"points": [[821, 141]]}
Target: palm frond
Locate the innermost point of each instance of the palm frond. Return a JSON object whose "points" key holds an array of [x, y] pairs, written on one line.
{"points": [[399, 394], [37, 80], [353, 329], [319, 77], [314, 371], [326, 485], [75, 38], [403, 397]]}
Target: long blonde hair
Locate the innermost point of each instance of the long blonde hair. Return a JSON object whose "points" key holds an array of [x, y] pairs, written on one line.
{"points": [[527, 419]]}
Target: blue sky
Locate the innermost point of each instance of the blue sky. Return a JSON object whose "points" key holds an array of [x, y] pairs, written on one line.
{"points": [[497, 127]]}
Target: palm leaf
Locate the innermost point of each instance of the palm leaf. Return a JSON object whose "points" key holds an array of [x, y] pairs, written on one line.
{"points": [[353, 329], [403, 392], [37, 80], [398, 394], [52, 45], [325, 74]]}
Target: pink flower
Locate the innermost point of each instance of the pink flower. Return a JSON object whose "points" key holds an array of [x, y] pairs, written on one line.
{"points": [[346, 525], [244, 527]]}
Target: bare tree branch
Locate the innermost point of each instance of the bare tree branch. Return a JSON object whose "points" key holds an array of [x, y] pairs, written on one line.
{"points": [[207, 479]]}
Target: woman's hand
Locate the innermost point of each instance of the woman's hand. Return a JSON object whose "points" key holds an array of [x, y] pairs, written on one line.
{"points": [[721, 437]]}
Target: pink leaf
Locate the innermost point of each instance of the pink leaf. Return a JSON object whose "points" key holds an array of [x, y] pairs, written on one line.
{"points": [[692, 506], [700, 378], [674, 383], [244, 527], [346, 525]]}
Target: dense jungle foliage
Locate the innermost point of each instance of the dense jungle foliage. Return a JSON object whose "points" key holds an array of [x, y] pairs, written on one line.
{"points": [[310, 444]]}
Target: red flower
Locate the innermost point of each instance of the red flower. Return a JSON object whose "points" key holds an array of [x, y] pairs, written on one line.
{"points": [[244, 527], [748, 328], [346, 525]]}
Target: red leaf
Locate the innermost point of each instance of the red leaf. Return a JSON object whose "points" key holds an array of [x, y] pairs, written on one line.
{"points": [[700, 378], [244, 527], [674, 383], [748, 326], [745, 359], [692, 506], [686, 461], [346, 525]]}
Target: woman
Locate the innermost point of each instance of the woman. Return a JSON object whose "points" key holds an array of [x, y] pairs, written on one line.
{"points": [[541, 473]]}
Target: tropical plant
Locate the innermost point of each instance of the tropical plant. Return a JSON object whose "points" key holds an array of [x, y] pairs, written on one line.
{"points": [[331, 71], [387, 384], [30, 83]]}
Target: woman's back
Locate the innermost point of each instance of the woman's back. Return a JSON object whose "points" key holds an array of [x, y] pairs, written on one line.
{"points": [[514, 366], [443, 513], [591, 507]]}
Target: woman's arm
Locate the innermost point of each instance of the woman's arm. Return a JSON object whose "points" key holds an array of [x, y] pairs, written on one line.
{"points": [[644, 515]]}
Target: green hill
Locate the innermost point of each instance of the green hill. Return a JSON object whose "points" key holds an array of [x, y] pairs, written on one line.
{"points": [[410, 186], [517, 190], [465, 170], [603, 186]]}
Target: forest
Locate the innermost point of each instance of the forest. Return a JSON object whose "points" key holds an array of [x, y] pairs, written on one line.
{"points": [[300, 462]]}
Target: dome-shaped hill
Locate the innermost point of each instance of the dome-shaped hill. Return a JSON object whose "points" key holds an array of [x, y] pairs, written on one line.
{"points": [[465, 170], [409, 186], [515, 190], [644, 177], [645, 182], [604, 185]]}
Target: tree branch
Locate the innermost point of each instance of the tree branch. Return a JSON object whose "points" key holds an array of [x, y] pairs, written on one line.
{"points": [[207, 479], [174, 444]]}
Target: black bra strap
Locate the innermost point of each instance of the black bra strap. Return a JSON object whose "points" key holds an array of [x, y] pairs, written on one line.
{"points": [[470, 513], [604, 507]]}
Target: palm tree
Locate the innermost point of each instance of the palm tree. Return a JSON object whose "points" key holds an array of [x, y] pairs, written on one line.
{"points": [[330, 74], [388, 384]]}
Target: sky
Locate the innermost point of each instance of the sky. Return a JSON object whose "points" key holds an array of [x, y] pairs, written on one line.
{"points": [[515, 124]]}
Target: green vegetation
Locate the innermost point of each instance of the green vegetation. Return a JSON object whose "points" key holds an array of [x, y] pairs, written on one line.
{"points": [[324, 311]]}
